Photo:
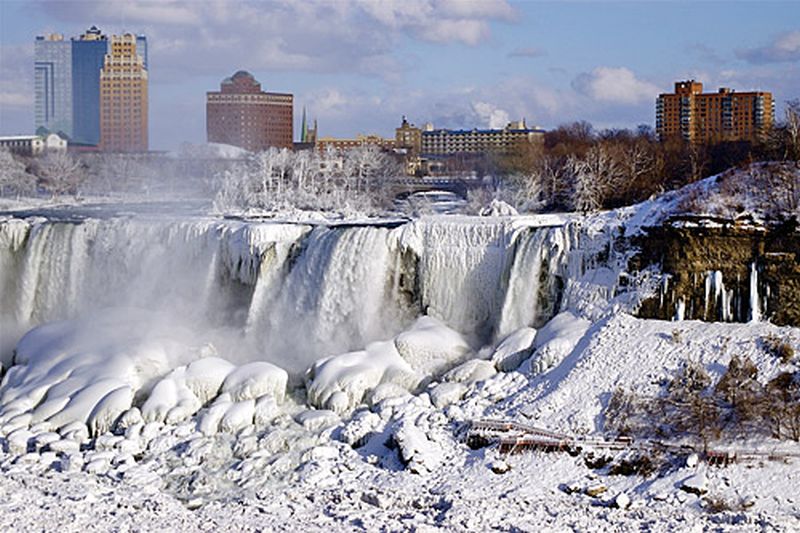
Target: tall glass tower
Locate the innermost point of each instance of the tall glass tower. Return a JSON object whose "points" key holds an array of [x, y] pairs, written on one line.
{"points": [[53, 84], [88, 52]]}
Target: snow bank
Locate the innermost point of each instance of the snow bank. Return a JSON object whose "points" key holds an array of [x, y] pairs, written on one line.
{"points": [[555, 341], [69, 371], [89, 371], [514, 349], [637, 354], [428, 348]]}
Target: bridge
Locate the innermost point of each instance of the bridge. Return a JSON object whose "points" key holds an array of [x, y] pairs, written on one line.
{"points": [[402, 187]]}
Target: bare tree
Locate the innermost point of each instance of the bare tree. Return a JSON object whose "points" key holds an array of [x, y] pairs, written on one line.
{"points": [[60, 173], [793, 129], [594, 175]]}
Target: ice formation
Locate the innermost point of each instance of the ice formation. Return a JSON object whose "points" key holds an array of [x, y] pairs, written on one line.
{"points": [[214, 358], [226, 310]]}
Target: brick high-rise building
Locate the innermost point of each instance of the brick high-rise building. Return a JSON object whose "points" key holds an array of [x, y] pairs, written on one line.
{"points": [[241, 114], [726, 115], [123, 97]]}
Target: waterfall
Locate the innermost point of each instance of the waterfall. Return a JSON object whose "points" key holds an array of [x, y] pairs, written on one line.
{"points": [[293, 293], [534, 281]]}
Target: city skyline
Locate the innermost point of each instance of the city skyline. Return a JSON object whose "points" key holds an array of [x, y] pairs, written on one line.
{"points": [[359, 66]]}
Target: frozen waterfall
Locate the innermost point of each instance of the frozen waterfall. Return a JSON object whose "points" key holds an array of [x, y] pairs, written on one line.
{"points": [[287, 293]]}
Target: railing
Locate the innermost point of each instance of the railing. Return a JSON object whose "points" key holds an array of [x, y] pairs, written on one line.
{"points": [[514, 437]]}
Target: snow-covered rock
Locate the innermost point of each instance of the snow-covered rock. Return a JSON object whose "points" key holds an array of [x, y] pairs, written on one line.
{"points": [[696, 484], [443, 394], [498, 208], [554, 341], [430, 347], [514, 349], [256, 379], [470, 372]]}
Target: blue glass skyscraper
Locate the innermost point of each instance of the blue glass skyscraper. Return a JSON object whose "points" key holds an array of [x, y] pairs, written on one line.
{"points": [[88, 52], [53, 84]]}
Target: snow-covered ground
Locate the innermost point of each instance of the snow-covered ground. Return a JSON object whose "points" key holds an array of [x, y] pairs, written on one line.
{"points": [[186, 372], [300, 468]]}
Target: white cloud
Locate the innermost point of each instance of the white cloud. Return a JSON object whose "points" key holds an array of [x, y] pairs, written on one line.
{"points": [[469, 32], [490, 115], [440, 20], [617, 85], [15, 97], [784, 48]]}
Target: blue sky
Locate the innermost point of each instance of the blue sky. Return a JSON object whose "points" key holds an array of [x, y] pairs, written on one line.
{"points": [[359, 65]]}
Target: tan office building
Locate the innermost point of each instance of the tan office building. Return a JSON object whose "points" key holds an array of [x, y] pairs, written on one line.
{"points": [[123, 97], [713, 117]]}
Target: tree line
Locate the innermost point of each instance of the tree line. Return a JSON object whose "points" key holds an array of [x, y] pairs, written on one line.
{"points": [[578, 168]]}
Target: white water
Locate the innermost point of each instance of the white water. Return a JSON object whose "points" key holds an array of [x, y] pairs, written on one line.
{"points": [[287, 293]]}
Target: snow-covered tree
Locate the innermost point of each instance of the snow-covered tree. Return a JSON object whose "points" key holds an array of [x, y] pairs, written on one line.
{"points": [[60, 173], [14, 180], [594, 175]]}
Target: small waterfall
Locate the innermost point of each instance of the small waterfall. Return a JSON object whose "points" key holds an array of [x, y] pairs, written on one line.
{"points": [[534, 281], [337, 295], [461, 270]]}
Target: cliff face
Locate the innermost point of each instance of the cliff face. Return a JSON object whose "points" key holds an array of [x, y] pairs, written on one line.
{"points": [[723, 271]]}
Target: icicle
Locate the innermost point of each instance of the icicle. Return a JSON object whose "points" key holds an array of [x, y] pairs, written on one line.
{"points": [[680, 310], [755, 306]]}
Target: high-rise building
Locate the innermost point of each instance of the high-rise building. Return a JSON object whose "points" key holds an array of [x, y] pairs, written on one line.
{"points": [[726, 115], [53, 84], [88, 55], [241, 114], [123, 97]]}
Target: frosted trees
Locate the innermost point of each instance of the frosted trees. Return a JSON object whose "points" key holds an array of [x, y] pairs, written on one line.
{"points": [[14, 180], [331, 180], [234, 190], [60, 173], [594, 175]]}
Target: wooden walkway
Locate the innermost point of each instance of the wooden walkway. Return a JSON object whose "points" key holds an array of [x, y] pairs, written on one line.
{"points": [[515, 437]]}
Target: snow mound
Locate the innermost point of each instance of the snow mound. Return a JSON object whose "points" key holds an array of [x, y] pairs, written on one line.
{"points": [[88, 370], [91, 371], [341, 382], [514, 349], [498, 208], [427, 349], [430, 347], [256, 379], [556, 340], [638, 355]]}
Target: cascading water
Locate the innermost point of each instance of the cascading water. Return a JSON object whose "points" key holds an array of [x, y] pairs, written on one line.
{"points": [[292, 292], [535, 280]]}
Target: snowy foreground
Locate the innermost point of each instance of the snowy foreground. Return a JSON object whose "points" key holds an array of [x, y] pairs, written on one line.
{"points": [[300, 469], [193, 373]]}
